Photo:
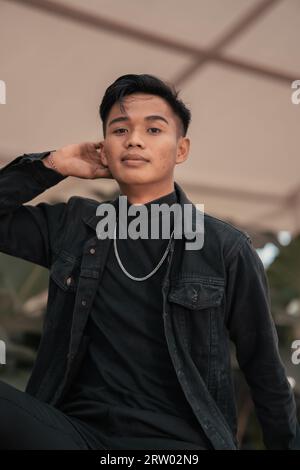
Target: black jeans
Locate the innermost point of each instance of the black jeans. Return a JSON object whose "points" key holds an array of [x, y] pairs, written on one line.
{"points": [[30, 424], [27, 423]]}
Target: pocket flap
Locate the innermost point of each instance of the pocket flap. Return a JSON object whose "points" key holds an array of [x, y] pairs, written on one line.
{"points": [[196, 295], [62, 272]]}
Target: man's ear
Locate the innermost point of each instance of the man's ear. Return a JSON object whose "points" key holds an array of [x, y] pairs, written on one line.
{"points": [[102, 154], [183, 148]]}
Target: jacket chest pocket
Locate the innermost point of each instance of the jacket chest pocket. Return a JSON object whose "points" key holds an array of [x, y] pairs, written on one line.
{"points": [[196, 295], [199, 304], [65, 272], [64, 279]]}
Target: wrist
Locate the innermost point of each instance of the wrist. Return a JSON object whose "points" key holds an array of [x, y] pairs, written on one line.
{"points": [[50, 162]]}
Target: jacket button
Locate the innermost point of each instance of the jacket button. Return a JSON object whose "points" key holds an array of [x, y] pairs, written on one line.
{"points": [[92, 251], [69, 281], [195, 295]]}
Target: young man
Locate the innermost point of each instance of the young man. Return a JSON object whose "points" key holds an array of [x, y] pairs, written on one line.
{"points": [[135, 350]]}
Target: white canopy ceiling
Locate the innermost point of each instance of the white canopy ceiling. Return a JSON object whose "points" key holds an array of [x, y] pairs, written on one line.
{"points": [[233, 60]]}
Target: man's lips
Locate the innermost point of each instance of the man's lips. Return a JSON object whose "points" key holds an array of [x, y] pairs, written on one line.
{"points": [[133, 157]]}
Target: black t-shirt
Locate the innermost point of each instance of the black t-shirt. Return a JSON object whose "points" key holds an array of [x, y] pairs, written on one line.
{"points": [[127, 395]]}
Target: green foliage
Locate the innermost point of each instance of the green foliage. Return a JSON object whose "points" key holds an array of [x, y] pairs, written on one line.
{"points": [[284, 276]]}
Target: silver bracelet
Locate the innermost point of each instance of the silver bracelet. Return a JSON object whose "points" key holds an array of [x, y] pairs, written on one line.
{"points": [[52, 162]]}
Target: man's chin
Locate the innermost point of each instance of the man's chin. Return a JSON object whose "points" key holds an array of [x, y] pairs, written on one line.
{"points": [[134, 179]]}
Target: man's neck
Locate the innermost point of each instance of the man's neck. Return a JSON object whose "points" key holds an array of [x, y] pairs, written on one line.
{"points": [[141, 194]]}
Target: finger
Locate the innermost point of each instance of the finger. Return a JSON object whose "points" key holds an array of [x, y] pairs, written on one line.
{"points": [[102, 173]]}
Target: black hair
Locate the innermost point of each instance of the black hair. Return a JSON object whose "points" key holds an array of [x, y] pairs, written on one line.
{"points": [[143, 83]]}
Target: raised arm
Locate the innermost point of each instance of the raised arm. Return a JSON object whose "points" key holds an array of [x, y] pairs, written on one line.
{"points": [[33, 232]]}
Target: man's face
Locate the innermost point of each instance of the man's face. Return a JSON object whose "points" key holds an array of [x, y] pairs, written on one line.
{"points": [[155, 139]]}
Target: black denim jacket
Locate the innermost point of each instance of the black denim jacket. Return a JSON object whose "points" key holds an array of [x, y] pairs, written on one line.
{"points": [[210, 296]]}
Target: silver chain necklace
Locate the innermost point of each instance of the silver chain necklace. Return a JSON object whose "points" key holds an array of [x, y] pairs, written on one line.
{"points": [[148, 275]]}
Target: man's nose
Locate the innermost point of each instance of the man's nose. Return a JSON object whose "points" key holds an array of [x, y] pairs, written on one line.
{"points": [[134, 139]]}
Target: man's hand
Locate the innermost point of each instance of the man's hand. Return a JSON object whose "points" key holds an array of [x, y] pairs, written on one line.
{"points": [[80, 160]]}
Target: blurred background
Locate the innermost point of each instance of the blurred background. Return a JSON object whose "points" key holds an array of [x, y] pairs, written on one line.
{"points": [[234, 62]]}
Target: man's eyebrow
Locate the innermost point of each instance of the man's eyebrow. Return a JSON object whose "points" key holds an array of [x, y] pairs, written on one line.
{"points": [[153, 117]]}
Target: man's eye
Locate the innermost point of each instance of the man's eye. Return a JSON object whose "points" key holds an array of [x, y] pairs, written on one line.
{"points": [[121, 129], [156, 128]]}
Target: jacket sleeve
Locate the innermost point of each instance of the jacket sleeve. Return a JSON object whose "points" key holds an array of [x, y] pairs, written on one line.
{"points": [[252, 329], [29, 232]]}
